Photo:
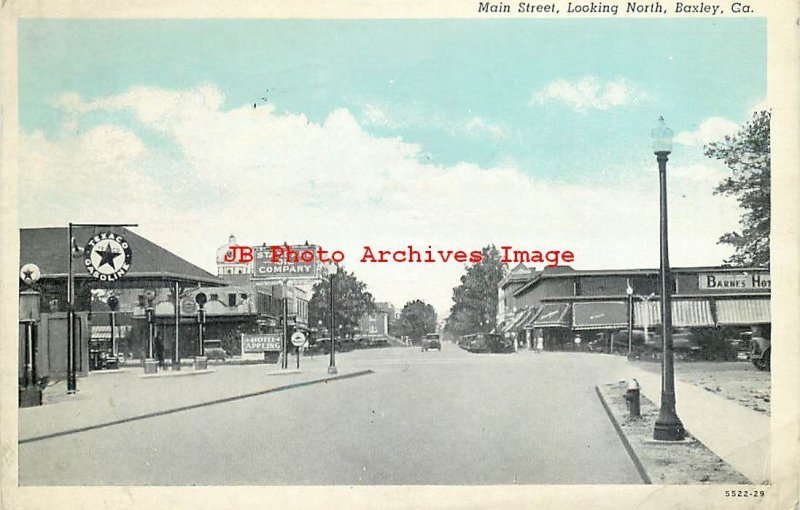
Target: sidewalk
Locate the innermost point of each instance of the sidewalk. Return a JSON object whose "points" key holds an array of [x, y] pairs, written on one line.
{"points": [[126, 395], [737, 434]]}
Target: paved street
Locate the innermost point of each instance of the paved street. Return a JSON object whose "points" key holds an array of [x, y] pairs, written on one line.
{"points": [[421, 418]]}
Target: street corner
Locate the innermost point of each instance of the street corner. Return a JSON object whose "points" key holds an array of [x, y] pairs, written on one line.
{"points": [[683, 462]]}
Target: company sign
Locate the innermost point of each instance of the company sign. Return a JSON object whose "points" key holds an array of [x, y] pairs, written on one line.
{"points": [[268, 342], [734, 281], [107, 256], [285, 261]]}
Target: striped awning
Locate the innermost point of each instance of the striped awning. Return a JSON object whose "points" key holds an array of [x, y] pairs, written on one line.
{"points": [[519, 318], [552, 315], [741, 312], [104, 332], [685, 313], [600, 315]]}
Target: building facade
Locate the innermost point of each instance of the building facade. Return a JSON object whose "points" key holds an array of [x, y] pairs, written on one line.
{"points": [[570, 309]]}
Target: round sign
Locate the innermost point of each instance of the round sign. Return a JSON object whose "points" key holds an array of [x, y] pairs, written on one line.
{"points": [[201, 298], [108, 256], [188, 307], [30, 273], [298, 338]]}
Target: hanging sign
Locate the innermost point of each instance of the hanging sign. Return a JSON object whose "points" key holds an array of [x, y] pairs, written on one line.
{"points": [[108, 256]]}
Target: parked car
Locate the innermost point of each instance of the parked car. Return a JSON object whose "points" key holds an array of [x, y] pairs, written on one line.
{"points": [[214, 351], [486, 342], [430, 342], [760, 352]]}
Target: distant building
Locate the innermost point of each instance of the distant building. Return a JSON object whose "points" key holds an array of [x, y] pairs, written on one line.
{"points": [[375, 323]]}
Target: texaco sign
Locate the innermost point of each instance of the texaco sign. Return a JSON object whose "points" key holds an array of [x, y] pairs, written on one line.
{"points": [[108, 256]]}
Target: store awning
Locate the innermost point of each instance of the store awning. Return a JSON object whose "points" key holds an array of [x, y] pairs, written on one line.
{"points": [[741, 312], [686, 313], [599, 315], [520, 318], [552, 315], [104, 332]]}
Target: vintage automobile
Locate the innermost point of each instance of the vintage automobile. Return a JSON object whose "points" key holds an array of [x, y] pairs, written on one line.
{"points": [[486, 343], [431, 341], [214, 351], [760, 352]]}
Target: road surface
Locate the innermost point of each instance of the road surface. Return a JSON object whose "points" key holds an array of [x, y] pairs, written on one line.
{"points": [[431, 418]]}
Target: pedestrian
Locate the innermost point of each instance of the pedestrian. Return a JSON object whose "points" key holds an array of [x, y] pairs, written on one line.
{"points": [[159, 350], [539, 344]]}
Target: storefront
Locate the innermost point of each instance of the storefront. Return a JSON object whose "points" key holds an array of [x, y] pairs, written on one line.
{"points": [[590, 310]]}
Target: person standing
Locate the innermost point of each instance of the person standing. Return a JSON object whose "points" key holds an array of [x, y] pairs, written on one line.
{"points": [[159, 350]]}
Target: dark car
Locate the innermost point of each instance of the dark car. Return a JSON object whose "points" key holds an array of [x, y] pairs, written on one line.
{"points": [[431, 342], [486, 342], [213, 350]]}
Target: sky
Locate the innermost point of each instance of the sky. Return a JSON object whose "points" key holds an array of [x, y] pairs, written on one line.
{"points": [[452, 134]]}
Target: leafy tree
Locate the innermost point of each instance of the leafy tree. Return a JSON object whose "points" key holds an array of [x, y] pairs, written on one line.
{"points": [[474, 306], [418, 319], [351, 301], [747, 154]]}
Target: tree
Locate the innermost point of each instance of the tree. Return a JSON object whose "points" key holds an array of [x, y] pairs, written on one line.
{"points": [[475, 299], [747, 154], [351, 301], [418, 319]]}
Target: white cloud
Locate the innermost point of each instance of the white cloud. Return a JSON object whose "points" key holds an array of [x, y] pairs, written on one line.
{"points": [[416, 115], [273, 178], [589, 93], [375, 115], [479, 126], [712, 129]]}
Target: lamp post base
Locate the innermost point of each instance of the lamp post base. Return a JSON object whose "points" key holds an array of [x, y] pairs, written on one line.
{"points": [[150, 366], [200, 363], [30, 396], [332, 370], [669, 428]]}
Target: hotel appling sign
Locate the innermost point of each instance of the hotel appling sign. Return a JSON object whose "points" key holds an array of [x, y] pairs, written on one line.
{"points": [[735, 281]]}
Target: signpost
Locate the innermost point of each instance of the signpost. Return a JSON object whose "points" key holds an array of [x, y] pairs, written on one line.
{"points": [[298, 340], [106, 261]]}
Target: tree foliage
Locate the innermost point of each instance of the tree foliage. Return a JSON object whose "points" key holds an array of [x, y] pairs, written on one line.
{"points": [[418, 319], [351, 301], [474, 306], [747, 155]]}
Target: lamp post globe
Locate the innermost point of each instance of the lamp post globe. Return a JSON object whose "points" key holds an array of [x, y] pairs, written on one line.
{"points": [[668, 426]]}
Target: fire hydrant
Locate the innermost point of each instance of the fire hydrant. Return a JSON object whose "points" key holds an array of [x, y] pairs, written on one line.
{"points": [[632, 399]]}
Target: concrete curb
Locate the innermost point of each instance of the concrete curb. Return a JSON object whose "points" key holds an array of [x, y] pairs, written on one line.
{"points": [[194, 406], [176, 373], [628, 448]]}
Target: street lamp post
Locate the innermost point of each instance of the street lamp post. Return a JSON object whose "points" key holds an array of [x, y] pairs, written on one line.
{"points": [[150, 364], [629, 292], [332, 366], [113, 304], [200, 361], [668, 426]]}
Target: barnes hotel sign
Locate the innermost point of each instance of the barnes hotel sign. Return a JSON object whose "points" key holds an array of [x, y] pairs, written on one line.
{"points": [[740, 281]]}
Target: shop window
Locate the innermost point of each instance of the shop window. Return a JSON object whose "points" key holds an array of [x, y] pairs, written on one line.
{"points": [[213, 297], [576, 287], [231, 299], [140, 299], [243, 296]]}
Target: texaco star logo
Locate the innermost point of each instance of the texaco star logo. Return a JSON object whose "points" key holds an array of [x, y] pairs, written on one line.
{"points": [[108, 256]]}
